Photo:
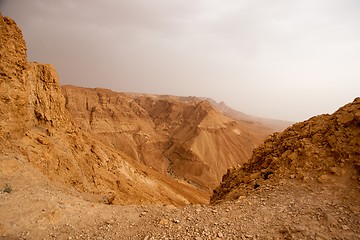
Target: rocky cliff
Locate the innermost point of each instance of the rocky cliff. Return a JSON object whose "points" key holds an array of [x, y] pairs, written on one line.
{"points": [[36, 128], [324, 149]]}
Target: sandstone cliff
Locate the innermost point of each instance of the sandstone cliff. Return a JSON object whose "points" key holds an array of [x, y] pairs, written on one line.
{"points": [[325, 149], [36, 128]]}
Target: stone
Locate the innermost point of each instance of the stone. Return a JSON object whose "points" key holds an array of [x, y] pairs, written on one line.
{"points": [[324, 178], [293, 156], [300, 175], [198, 210], [330, 219], [164, 221], [345, 117], [345, 227]]}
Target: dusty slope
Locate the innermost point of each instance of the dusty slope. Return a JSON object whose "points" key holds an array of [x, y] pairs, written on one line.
{"points": [[325, 148], [181, 136], [35, 125]]}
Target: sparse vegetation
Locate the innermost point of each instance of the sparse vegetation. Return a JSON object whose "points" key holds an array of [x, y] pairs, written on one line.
{"points": [[108, 199], [7, 188]]}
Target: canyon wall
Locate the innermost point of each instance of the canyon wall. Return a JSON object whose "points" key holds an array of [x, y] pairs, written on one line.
{"points": [[183, 137]]}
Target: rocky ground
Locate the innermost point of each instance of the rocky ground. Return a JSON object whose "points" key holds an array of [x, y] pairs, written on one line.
{"points": [[318, 149], [37, 209]]}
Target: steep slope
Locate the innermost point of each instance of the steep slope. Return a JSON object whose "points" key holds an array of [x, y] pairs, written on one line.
{"points": [[184, 137], [324, 149], [207, 143], [117, 119], [203, 142], [36, 128]]}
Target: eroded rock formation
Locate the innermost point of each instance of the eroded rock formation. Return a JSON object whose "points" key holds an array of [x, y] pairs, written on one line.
{"points": [[184, 137], [320, 149], [35, 126]]}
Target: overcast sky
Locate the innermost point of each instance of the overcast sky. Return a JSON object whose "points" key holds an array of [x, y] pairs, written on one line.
{"points": [[283, 59]]}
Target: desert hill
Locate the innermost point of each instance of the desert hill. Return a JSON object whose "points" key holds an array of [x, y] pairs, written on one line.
{"points": [[325, 148], [274, 124], [184, 137]]}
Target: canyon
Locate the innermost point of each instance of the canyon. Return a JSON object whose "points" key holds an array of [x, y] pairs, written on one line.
{"points": [[81, 163], [129, 148]]}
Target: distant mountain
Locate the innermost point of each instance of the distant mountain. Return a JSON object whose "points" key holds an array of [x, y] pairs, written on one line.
{"points": [[277, 125]]}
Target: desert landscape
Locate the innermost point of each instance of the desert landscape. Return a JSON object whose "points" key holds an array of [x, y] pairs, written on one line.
{"points": [[91, 163]]}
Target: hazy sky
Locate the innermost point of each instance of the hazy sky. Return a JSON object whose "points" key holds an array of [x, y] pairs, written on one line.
{"points": [[284, 59]]}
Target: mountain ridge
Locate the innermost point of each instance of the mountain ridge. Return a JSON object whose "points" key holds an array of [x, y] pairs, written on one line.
{"points": [[163, 131]]}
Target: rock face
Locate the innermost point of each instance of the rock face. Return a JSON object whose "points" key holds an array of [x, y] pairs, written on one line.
{"points": [[35, 126], [30, 92], [13, 110], [325, 149], [184, 137]]}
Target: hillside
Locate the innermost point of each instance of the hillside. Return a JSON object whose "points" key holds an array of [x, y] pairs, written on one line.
{"points": [[184, 137], [325, 149]]}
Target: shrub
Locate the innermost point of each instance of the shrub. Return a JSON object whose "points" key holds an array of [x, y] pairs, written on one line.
{"points": [[7, 188]]}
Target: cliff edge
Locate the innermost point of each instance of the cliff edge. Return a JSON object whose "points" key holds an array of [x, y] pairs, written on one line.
{"points": [[37, 131]]}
